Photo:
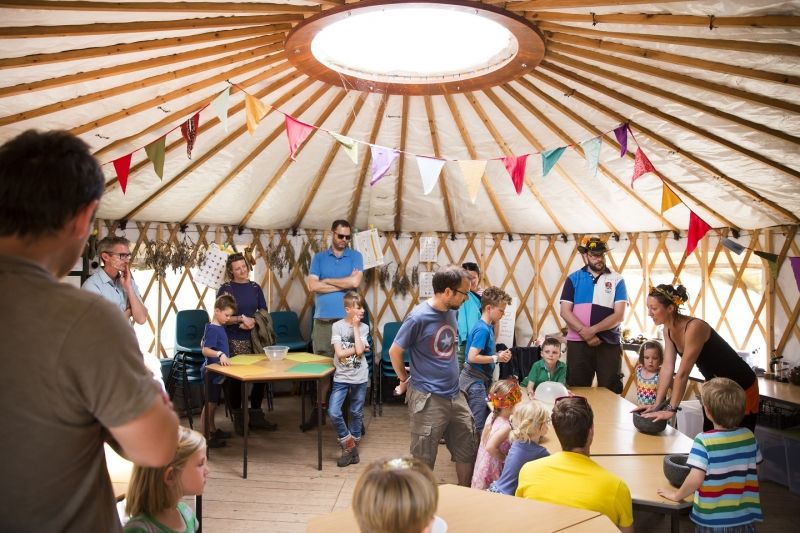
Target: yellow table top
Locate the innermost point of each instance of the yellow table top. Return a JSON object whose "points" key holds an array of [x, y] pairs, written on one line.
{"points": [[296, 366], [614, 432], [643, 474]]}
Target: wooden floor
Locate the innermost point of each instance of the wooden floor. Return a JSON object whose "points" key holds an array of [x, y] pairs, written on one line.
{"points": [[284, 489]]}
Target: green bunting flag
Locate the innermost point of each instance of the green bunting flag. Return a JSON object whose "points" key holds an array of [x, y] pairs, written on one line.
{"points": [[550, 158], [350, 146], [155, 153], [772, 262]]}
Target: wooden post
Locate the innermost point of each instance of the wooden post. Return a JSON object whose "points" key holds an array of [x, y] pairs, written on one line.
{"points": [[768, 235], [159, 280]]}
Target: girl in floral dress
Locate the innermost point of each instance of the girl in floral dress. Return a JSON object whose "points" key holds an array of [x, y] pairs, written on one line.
{"points": [[503, 396]]}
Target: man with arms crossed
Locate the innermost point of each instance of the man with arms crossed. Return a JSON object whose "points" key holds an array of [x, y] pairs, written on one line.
{"points": [[74, 375], [114, 281]]}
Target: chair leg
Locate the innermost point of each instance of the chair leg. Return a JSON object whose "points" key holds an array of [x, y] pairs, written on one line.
{"points": [[187, 397], [270, 397]]}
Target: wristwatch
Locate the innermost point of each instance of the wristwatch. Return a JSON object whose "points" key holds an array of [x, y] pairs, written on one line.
{"points": [[494, 359], [220, 354], [673, 408]]}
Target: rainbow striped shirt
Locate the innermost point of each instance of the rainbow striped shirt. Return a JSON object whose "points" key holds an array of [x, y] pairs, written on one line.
{"points": [[729, 493]]}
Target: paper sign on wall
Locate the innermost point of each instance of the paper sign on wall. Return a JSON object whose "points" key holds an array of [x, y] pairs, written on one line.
{"points": [[368, 243], [507, 324], [425, 284], [427, 249], [211, 271]]}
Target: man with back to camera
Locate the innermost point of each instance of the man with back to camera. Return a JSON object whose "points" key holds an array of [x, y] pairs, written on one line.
{"points": [[114, 281], [75, 378]]}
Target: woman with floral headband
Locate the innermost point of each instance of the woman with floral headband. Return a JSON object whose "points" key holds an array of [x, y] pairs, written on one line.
{"points": [[698, 344]]}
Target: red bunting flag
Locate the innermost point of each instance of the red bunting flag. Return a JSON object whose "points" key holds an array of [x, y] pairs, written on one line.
{"points": [[189, 131], [515, 165], [641, 165], [123, 166], [297, 132], [697, 229]]}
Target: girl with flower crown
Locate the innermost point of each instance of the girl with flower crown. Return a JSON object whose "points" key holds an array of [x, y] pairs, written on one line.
{"points": [[503, 396], [698, 344]]}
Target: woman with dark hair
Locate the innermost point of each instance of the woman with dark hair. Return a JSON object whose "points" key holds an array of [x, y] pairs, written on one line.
{"points": [[470, 311], [249, 299], [698, 344]]}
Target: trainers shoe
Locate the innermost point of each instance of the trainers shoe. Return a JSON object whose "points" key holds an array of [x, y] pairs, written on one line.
{"points": [[257, 420], [219, 434], [214, 442]]}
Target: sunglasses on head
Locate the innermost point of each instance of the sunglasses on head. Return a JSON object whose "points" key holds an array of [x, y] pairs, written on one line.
{"points": [[343, 237], [400, 463]]}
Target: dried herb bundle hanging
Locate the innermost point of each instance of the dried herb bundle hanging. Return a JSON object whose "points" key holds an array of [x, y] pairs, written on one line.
{"points": [[384, 277], [304, 259], [415, 276], [157, 257], [400, 282]]}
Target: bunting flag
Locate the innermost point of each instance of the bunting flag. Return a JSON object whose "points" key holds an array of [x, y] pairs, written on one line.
{"points": [[795, 261], [220, 105], [668, 198], [697, 229], [472, 171], [621, 133], [772, 262], [255, 111], [733, 246], [350, 146], [591, 151], [297, 132], [123, 167], [189, 131], [550, 158], [155, 153], [515, 165], [429, 169], [641, 166], [382, 159]]}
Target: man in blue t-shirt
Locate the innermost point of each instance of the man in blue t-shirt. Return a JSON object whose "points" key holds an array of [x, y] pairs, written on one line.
{"points": [[436, 407]]}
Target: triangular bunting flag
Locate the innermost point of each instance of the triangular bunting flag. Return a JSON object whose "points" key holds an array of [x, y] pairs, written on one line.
{"points": [[697, 229], [472, 171], [668, 198], [155, 153], [382, 159], [733, 246], [550, 158], [591, 151], [297, 132], [122, 166], [429, 169], [255, 110], [220, 106], [641, 165], [350, 146], [621, 133], [795, 261], [772, 262], [515, 165], [189, 131]]}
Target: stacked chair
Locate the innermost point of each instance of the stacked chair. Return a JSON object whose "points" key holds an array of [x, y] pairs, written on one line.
{"points": [[184, 375], [385, 370]]}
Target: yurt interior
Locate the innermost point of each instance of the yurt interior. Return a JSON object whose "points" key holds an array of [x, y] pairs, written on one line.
{"points": [[507, 134]]}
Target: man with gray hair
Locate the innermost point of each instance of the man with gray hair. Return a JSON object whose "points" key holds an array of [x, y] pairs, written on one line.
{"points": [[114, 281]]}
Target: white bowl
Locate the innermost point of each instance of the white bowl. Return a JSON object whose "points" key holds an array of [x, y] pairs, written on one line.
{"points": [[276, 353]]}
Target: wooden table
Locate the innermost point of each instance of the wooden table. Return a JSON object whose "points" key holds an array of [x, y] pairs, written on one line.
{"points": [[297, 366], [614, 432], [779, 391], [466, 509]]}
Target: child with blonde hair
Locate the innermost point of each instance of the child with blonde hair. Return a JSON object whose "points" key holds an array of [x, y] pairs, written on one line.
{"points": [[651, 356], [396, 496], [154, 494], [494, 447], [529, 423]]}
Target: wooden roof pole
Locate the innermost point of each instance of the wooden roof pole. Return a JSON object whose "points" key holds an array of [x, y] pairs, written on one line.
{"points": [[507, 151], [648, 19], [326, 162], [288, 160], [498, 210], [401, 167], [140, 46], [719, 44], [569, 140], [657, 91], [555, 4], [675, 120], [157, 7], [673, 59], [365, 163], [608, 136], [431, 116]]}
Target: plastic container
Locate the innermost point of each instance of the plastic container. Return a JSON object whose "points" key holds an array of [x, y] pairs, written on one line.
{"points": [[276, 353], [690, 418]]}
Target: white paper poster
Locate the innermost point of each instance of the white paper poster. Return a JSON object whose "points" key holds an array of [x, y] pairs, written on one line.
{"points": [[425, 284], [428, 249], [211, 271], [507, 323], [369, 244]]}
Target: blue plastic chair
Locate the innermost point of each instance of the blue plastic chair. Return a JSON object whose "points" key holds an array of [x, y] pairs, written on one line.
{"points": [[185, 372], [385, 369], [287, 331]]}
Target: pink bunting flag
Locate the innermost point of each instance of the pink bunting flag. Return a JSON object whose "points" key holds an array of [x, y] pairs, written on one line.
{"points": [[297, 132], [641, 165], [189, 131], [382, 159], [515, 165], [621, 133], [697, 229], [795, 261], [123, 166]]}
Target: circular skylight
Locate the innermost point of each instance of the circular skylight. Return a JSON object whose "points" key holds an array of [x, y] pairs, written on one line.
{"points": [[419, 44]]}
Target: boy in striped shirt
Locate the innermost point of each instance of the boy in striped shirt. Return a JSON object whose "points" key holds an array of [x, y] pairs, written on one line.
{"points": [[723, 461]]}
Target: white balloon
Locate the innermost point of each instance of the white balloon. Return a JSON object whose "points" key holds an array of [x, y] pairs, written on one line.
{"points": [[548, 391]]}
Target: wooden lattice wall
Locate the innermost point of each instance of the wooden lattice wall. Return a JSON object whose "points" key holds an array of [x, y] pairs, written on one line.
{"points": [[734, 293]]}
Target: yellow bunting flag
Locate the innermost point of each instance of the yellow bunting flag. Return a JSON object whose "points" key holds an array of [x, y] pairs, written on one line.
{"points": [[472, 171], [256, 110], [668, 198]]}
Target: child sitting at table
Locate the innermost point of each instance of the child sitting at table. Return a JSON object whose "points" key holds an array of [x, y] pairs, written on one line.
{"points": [[529, 422], [215, 350], [503, 396], [723, 461], [651, 356], [349, 339], [154, 494], [396, 496], [548, 368]]}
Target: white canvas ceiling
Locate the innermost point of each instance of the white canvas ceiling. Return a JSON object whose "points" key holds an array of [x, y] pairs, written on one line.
{"points": [[715, 110]]}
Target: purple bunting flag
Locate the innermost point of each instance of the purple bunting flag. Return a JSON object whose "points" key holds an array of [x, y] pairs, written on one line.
{"points": [[621, 133], [382, 159]]}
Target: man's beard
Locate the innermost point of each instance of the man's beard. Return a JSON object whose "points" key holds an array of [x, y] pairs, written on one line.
{"points": [[599, 269]]}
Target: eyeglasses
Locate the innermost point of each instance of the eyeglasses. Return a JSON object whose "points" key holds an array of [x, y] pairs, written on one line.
{"points": [[461, 292], [344, 237], [120, 255]]}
